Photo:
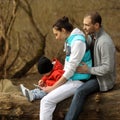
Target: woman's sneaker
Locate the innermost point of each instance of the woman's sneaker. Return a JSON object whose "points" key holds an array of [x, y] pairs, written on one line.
{"points": [[22, 88], [29, 95]]}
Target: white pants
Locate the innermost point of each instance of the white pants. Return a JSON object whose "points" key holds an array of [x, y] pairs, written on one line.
{"points": [[48, 102]]}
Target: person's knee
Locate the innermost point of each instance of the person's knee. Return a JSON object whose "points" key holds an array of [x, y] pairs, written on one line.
{"points": [[79, 93], [45, 101], [42, 101]]}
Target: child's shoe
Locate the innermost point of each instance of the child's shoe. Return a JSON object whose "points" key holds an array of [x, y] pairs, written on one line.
{"points": [[29, 95], [22, 88]]}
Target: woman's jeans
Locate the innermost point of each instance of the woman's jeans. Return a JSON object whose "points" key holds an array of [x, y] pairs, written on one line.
{"points": [[79, 98]]}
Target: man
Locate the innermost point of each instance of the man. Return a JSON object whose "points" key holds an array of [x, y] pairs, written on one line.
{"points": [[103, 70]]}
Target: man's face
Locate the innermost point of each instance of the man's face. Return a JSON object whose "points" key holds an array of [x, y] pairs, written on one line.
{"points": [[88, 27]]}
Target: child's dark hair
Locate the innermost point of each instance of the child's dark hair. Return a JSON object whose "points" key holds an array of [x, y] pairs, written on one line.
{"points": [[63, 23], [44, 65]]}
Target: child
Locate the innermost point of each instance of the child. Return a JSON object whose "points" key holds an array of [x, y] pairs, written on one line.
{"points": [[51, 72]]}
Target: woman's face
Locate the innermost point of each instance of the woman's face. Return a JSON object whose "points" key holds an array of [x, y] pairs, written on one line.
{"points": [[60, 35]]}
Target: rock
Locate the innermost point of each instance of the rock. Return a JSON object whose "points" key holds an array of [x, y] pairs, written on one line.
{"points": [[100, 106]]}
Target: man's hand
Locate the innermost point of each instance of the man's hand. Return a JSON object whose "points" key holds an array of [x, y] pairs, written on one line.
{"points": [[83, 68]]}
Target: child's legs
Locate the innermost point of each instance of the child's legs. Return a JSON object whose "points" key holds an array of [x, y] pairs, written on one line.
{"points": [[38, 94], [48, 103]]}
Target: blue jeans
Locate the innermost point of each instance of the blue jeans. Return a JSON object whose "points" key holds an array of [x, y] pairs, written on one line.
{"points": [[38, 94], [79, 97]]}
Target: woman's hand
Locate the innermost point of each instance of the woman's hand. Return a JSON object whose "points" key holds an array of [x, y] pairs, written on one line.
{"points": [[47, 89], [41, 83]]}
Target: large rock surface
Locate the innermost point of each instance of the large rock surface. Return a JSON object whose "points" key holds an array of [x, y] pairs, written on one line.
{"points": [[99, 106]]}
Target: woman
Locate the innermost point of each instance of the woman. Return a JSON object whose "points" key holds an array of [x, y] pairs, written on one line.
{"points": [[76, 53]]}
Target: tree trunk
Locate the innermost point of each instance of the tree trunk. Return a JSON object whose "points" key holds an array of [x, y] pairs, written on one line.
{"points": [[102, 106]]}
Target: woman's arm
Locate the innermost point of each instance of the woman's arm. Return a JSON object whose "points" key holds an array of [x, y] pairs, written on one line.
{"points": [[48, 89], [77, 52]]}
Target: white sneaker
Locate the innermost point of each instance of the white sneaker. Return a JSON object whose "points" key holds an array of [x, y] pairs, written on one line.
{"points": [[22, 88], [29, 95]]}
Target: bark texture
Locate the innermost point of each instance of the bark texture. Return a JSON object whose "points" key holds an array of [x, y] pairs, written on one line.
{"points": [[99, 106]]}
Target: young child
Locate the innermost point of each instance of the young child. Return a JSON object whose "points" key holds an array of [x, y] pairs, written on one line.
{"points": [[51, 72]]}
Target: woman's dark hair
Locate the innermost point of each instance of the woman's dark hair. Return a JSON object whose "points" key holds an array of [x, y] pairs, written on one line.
{"points": [[95, 17], [63, 23]]}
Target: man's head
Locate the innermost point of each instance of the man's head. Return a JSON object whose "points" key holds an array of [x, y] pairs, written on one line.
{"points": [[91, 23], [44, 65]]}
